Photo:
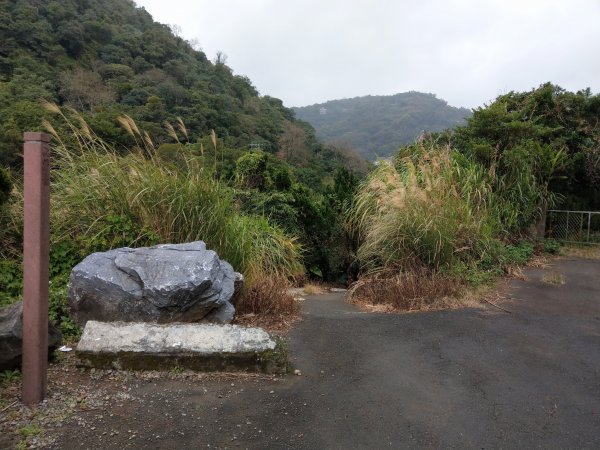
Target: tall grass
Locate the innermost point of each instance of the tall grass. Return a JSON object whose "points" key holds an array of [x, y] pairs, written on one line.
{"points": [[435, 219], [98, 194], [422, 212]]}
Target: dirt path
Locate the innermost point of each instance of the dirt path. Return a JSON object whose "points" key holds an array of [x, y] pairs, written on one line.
{"points": [[471, 378]]}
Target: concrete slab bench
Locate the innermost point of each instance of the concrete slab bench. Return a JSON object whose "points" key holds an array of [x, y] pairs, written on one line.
{"points": [[200, 347]]}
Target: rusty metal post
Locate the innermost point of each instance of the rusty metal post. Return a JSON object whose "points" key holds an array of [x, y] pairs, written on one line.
{"points": [[36, 250]]}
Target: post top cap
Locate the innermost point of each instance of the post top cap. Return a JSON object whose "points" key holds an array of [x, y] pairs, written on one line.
{"points": [[36, 136]]}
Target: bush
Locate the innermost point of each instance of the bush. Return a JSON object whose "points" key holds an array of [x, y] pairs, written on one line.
{"points": [[551, 246], [434, 220], [58, 308], [517, 254], [11, 281], [429, 211], [5, 186]]}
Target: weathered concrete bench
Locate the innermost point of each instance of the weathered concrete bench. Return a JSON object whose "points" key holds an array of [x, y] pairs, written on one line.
{"points": [[201, 347]]}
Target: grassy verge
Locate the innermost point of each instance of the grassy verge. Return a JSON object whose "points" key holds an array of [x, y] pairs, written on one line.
{"points": [[101, 199], [580, 251], [432, 226]]}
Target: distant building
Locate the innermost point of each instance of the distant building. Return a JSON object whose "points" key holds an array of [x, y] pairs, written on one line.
{"points": [[323, 111], [259, 146]]}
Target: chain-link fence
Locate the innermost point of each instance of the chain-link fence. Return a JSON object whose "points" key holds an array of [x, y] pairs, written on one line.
{"points": [[573, 226]]}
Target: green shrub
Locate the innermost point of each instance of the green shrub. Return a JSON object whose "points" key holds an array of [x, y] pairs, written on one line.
{"points": [[11, 281], [551, 246], [251, 170], [517, 254], [58, 309], [5, 186]]}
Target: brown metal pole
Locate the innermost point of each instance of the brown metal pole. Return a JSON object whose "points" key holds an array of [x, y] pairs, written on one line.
{"points": [[36, 249]]}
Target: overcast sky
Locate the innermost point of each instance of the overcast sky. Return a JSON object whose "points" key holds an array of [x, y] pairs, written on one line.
{"points": [[465, 51]]}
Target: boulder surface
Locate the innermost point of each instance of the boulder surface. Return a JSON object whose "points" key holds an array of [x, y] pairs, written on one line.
{"points": [[165, 283], [11, 336]]}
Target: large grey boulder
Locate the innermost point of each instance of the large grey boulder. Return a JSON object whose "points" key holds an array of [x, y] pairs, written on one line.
{"points": [[164, 283], [11, 336]]}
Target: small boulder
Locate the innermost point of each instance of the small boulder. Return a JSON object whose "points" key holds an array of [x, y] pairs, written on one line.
{"points": [[165, 283], [11, 336]]}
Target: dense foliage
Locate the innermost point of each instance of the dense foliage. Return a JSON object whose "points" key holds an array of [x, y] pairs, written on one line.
{"points": [[137, 85], [103, 200], [460, 205], [378, 125], [548, 135], [152, 142], [110, 57], [155, 143]]}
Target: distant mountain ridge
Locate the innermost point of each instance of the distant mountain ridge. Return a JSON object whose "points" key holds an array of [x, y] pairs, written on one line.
{"points": [[377, 125]]}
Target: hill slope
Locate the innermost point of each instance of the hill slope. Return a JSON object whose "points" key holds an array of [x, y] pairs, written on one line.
{"points": [[110, 57], [378, 125]]}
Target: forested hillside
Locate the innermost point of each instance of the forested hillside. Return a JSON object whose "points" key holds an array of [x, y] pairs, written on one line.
{"points": [[377, 125], [109, 57], [152, 142]]}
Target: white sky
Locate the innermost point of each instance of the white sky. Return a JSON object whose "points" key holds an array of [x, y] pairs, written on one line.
{"points": [[465, 51]]}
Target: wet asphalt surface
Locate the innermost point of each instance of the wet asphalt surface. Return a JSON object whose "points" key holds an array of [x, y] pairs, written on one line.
{"points": [[469, 378]]}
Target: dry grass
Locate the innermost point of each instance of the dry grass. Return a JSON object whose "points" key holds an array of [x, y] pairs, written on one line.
{"points": [[267, 303], [584, 252], [407, 291], [414, 292], [515, 272], [313, 289], [554, 277], [539, 261], [478, 296]]}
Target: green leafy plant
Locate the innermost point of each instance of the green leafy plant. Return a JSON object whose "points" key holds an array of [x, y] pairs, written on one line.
{"points": [[59, 309], [11, 281], [517, 254], [5, 186], [177, 369], [8, 377], [552, 246], [30, 430]]}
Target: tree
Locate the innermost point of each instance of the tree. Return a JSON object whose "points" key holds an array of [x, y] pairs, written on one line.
{"points": [[551, 133], [250, 170], [292, 145], [84, 89]]}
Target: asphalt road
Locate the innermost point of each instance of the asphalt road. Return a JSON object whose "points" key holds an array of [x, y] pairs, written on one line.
{"points": [[470, 378]]}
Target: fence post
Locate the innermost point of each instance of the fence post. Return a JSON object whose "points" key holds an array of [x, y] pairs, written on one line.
{"points": [[36, 249], [589, 225], [540, 226]]}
